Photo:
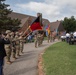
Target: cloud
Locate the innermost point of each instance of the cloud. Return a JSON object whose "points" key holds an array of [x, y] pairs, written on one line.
{"points": [[40, 7], [51, 9], [44, 8]]}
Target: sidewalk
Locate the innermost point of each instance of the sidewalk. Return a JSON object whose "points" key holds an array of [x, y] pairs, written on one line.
{"points": [[27, 63]]}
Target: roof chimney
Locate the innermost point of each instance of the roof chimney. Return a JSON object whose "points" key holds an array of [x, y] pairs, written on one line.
{"points": [[57, 20], [38, 14]]}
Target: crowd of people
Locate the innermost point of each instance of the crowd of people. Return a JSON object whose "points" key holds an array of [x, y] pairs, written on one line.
{"points": [[69, 37], [11, 45]]}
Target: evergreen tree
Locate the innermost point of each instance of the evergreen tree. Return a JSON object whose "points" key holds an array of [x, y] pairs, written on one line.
{"points": [[5, 21]]}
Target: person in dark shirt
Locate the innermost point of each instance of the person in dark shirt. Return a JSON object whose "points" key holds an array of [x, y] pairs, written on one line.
{"points": [[2, 52]]}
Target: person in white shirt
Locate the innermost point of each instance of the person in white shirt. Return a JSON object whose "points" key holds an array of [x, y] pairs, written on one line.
{"points": [[74, 34], [67, 37]]}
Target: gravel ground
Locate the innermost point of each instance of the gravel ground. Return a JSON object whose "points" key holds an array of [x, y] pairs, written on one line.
{"points": [[27, 63]]}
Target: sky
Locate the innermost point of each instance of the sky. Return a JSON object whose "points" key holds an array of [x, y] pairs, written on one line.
{"points": [[52, 10]]}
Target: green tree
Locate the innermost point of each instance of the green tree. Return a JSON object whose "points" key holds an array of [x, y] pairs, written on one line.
{"points": [[69, 24], [15, 24], [5, 21]]}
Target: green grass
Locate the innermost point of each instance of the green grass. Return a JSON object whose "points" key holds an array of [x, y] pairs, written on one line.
{"points": [[60, 59]]}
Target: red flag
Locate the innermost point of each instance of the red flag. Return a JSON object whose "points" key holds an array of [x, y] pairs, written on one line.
{"points": [[36, 24]]}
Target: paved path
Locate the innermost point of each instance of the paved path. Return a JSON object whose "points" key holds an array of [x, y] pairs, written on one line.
{"points": [[27, 63]]}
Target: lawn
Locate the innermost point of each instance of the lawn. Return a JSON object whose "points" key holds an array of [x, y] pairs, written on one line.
{"points": [[60, 59]]}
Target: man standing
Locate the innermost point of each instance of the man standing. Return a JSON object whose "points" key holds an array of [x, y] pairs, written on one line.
{"points": [[13, 44], [67, 37], [8, 47], [74, 34], [2, 52], [17, 44], [36, 39], [21, 38]]}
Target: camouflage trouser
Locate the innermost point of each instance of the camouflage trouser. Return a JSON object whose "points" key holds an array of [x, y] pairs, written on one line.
{"points": [[21, 47], [39, 41], [8, 52], [53, 38], [36, 43], [14, 52], [17, 50], [42, 38], [49, 38]]}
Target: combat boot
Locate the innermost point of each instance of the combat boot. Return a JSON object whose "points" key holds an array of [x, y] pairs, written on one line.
{"points": [[9, 62], [14, 58]]}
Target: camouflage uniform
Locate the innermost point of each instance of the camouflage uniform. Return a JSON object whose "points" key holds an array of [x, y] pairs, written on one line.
{"points": [[17, 44], [48, 38], [21, 43], [39, 39], [8, 47], [49, 33], [13, 45], [42, 38], [36, 40]]}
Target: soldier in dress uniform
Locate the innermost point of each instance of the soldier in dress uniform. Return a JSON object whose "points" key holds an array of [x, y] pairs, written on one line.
{"points": [[8, 47]]}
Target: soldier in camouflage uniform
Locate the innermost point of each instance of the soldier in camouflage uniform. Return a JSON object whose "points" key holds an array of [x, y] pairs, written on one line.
{"points": [[13, 45], [21, 43], [42, 38], [39, 39], [36, 39], [17, 44], [8, 47], [49, 37]]}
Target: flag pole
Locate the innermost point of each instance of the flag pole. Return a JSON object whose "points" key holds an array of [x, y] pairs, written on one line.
{"points": [[25, 31], [27, 35]]}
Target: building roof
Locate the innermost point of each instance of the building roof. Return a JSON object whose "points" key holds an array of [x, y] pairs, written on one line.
{"points": [[26, 20], [23, 17], [15, 15], [23, 21], [54, 25]]}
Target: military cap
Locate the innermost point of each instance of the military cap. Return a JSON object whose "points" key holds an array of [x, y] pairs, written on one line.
{"points": [[17, 33], [20, 33], [8, 31], [11, 33]]}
